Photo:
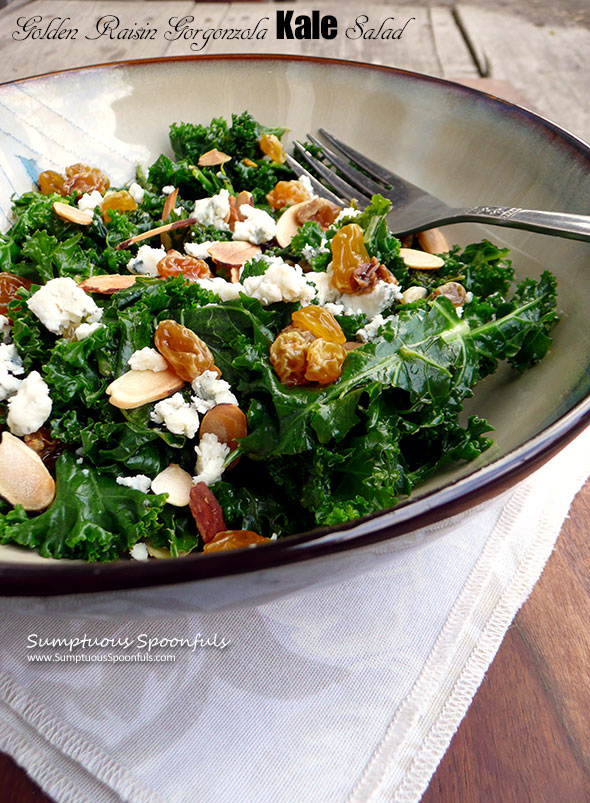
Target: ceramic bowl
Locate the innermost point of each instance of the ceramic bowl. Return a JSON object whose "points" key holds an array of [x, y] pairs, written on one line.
{"points": [[464, 146]]}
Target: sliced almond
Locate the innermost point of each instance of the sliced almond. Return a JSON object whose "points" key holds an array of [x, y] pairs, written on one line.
{"points": [[145, 235], [107, 283], [212, 158], [236, 202], [420, 260], [135, 388], [169, 203], [72, 213], [288, 224], [233, 253], [24, 480], [413, 293], [433, 241], [176, 482], [160, 552], [294, 216]]}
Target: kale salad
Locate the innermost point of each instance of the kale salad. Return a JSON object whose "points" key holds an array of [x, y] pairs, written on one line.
{"points": [[213, 356]]}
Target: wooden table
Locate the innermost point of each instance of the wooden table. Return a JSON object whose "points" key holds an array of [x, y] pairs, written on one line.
{"points": [[526, 736]]}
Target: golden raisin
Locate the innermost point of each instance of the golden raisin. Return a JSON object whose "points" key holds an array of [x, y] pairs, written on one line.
{"points": [[324, 361], [9, 287], [348, 254], [82, 178], [177, 264], [271, 146], [319, 322], [320, 210], [287, 193], [120, 201], [49, 182], [288, 355], [186, 353], [233, 539], [454, 291]]}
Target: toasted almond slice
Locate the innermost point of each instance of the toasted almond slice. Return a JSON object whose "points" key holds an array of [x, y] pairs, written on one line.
{"points": [[212, 158], [288, 224], [236, 202], [107, 283], [160, 552], [145, 235], [233, 253], [413, 293], [176, 482], [135, 388], [72, 213], [169, 203], [433, 241], [294, 216], [420, 260], [24, 480]]}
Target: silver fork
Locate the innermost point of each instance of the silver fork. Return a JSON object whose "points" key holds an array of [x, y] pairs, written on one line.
{"points": [[414, 209]]}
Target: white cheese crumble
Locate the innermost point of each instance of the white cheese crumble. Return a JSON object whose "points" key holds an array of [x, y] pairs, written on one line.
{"points": [[168, 189], [146, 261], [86, 329], [139, 551], [309, 252], [280, 282], [136, 192], [11, 366], [147, 359], [5, 328], [211, 454], [371, 330], [348, 213], [210, 391], [30, 408], [372, 303], [258, 227], [213, 211], [89, 201], [60, 304], [199, 250], [227, 291], [139, 483], [468, 297], [307, 185], [325, 290], [177, 415]]}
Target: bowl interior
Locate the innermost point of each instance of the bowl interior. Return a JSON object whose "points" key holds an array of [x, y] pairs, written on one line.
{"points": [[460, 144]]}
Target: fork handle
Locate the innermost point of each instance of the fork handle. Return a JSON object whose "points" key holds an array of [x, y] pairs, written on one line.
{"points": [[576, 227]]}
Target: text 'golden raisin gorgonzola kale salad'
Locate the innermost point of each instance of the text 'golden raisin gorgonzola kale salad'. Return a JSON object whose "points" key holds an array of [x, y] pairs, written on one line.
{"points": [[214, 357]]}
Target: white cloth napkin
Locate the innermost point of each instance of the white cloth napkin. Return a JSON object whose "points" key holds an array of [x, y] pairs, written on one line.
{"points": [[347, 693]]}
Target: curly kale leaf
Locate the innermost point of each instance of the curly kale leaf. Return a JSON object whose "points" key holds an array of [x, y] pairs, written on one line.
{"points": [[92, 517], [191, 140], [240, 140], [520, 331]]}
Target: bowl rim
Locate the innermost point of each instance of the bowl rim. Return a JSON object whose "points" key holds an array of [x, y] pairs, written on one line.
{"points": [[62, 578]]}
